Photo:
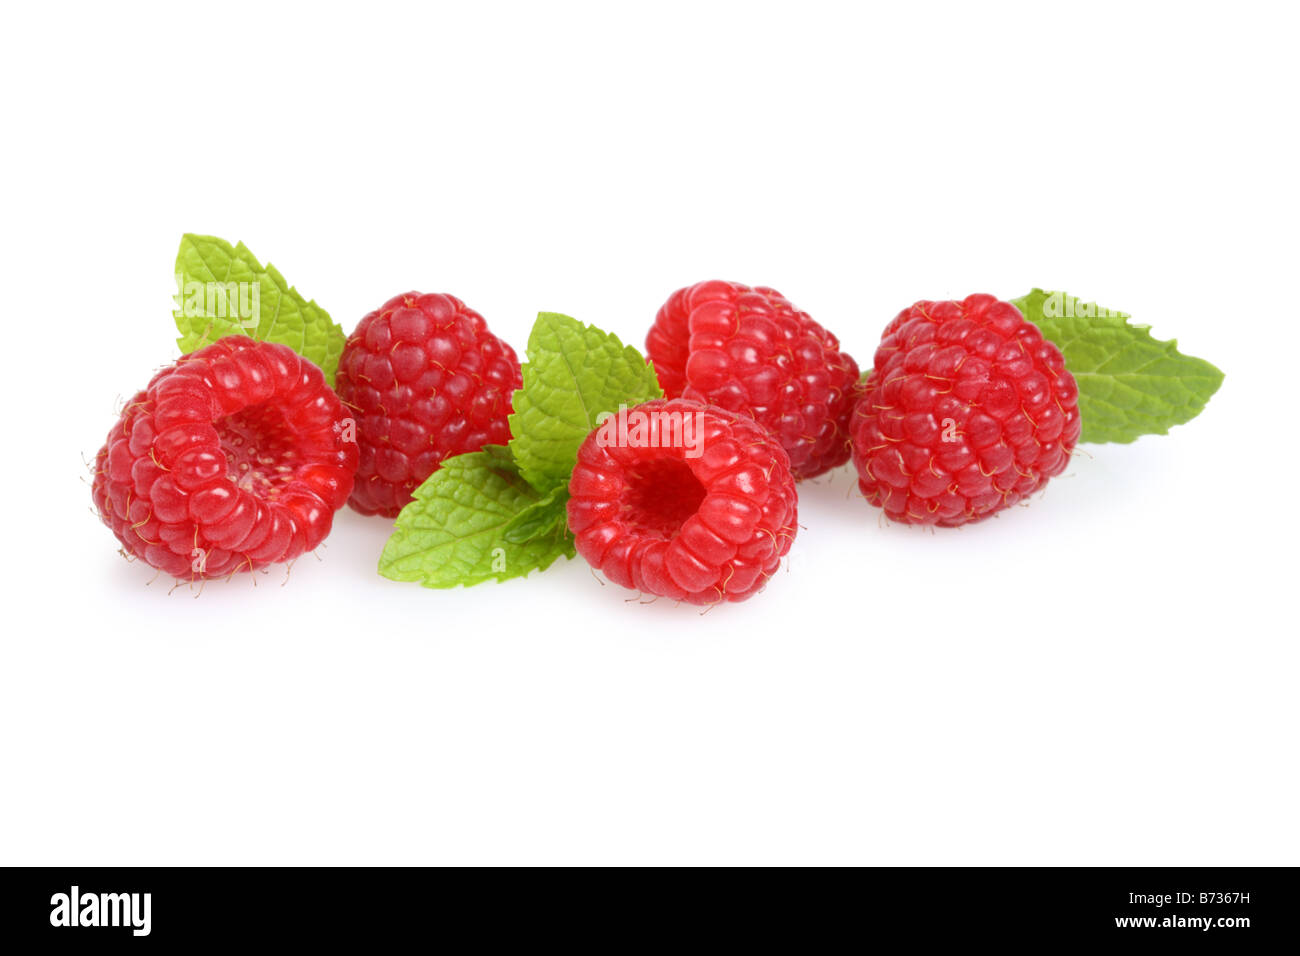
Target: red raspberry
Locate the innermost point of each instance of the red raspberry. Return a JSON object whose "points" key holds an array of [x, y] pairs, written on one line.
{"points": [[427, 381], [749, 350], [232, 459], [967, 411], [703, 518]]}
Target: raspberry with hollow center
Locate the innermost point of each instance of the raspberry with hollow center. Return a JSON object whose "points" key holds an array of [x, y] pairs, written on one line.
{"points": [[427, 381], [749, 350], [234, 458], [703, 520], [967, 411]]}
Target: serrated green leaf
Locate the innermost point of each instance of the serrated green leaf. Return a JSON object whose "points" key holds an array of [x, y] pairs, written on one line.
{"points": [[1130, 384], [574, 372], [454, 532], [223, 290], [540, 518]]}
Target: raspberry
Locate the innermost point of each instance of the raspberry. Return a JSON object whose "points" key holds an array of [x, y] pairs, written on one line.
{"points": [[427, 381], [749, 350], [231, 459], [967, 411], [702, 519]]}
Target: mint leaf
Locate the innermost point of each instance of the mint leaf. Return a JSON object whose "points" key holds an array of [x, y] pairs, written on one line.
{"points": [[454, 532], [1130, 384], [574, 372], [223, 290], [499, 513], [540, 519]]}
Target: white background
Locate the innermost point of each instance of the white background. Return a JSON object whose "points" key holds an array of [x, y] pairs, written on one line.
{"points": [[1107, 676]]}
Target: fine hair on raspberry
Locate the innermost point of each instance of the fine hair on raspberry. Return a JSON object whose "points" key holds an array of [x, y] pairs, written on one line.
{"points": [[702, 521], [968, 410], [426, 380], [749, 350], [234, 458]]}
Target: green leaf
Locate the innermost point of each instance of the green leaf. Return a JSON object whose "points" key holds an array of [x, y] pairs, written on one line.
{"points": [[223, 290], [540, 519], [1130, 384], [574, 372], [455, 531]]}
